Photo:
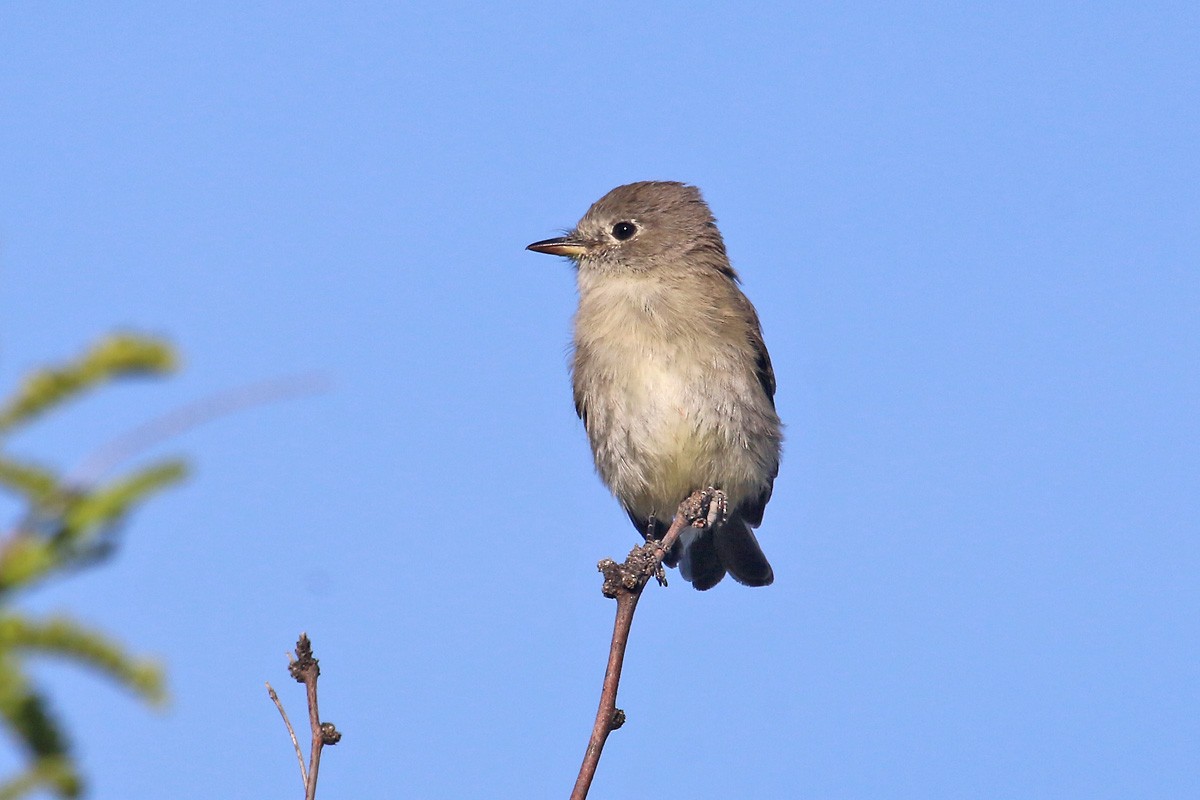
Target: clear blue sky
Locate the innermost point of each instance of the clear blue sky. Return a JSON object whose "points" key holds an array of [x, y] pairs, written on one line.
{"points": [[973, 237]]}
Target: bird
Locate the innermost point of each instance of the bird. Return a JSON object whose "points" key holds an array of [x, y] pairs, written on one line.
{"points": [[670, 374]]}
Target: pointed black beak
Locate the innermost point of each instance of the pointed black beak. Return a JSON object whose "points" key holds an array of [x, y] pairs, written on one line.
{"points": [[562, 246]]}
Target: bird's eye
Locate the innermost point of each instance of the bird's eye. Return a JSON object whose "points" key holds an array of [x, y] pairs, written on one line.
{"points": [[623, 230]]}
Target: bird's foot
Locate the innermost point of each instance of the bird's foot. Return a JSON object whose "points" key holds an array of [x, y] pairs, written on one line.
{"points": [[716, 511]]}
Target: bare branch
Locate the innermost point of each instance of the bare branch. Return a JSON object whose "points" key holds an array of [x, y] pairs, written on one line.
{"points": [[624, 583], [291, 732], [305, 669]]}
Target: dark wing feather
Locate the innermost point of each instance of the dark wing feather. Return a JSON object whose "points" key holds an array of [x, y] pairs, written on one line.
{"points": [[752, 508], [577, 393], [581, 409], [762, 364]]}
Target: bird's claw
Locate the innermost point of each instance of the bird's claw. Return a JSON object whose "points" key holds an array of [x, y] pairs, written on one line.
{"points": [[718, 508]]}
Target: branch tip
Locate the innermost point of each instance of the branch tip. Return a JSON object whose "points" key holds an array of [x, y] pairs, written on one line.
{"points": [[304, 669]]}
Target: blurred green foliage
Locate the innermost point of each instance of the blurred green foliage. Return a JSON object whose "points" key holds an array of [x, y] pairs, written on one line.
{"points": [[65, 527]]}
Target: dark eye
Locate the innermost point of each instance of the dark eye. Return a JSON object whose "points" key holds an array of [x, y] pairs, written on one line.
{"points": [[624, 230]]}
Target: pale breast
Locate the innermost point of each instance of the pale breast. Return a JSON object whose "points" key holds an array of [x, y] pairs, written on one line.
{"points": [[666, 395]]}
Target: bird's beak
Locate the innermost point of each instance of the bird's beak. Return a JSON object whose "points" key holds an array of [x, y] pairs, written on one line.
{"points": [[562, 246]]}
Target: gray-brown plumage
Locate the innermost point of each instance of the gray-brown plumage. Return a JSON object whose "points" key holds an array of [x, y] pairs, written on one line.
{"points": [[671, 376]]}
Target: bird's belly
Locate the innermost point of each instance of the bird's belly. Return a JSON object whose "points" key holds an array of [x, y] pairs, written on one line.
{"points": [[671, 435], [670, 406]]}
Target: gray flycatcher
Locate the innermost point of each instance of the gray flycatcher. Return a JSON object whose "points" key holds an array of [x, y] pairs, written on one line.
{"points": [[671, 376]]}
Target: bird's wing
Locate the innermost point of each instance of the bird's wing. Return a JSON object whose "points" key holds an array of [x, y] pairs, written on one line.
{"points": [[752, 508], [762, 365], [762, 359], [581, 406]]}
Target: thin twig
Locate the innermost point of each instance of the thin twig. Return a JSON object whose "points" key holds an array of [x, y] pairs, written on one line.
{"points": [[624, 583], [291, 732]]}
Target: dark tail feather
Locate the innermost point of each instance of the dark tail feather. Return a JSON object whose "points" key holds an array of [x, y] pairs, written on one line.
{"points": [[703, 556], [699, 561], [740, 554]]}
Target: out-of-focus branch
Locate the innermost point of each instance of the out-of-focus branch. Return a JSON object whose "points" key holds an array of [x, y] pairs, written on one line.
{"points": [[304, 669], [624, 583], [185, 418]]}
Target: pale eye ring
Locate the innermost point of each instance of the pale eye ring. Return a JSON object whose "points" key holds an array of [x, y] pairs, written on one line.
{"points": [[624, 230]]}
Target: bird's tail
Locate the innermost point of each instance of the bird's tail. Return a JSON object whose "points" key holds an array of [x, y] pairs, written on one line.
{"points": [[705, 555]]}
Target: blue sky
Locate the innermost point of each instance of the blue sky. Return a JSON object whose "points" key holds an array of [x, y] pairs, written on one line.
{"points": [[973, 238]]}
